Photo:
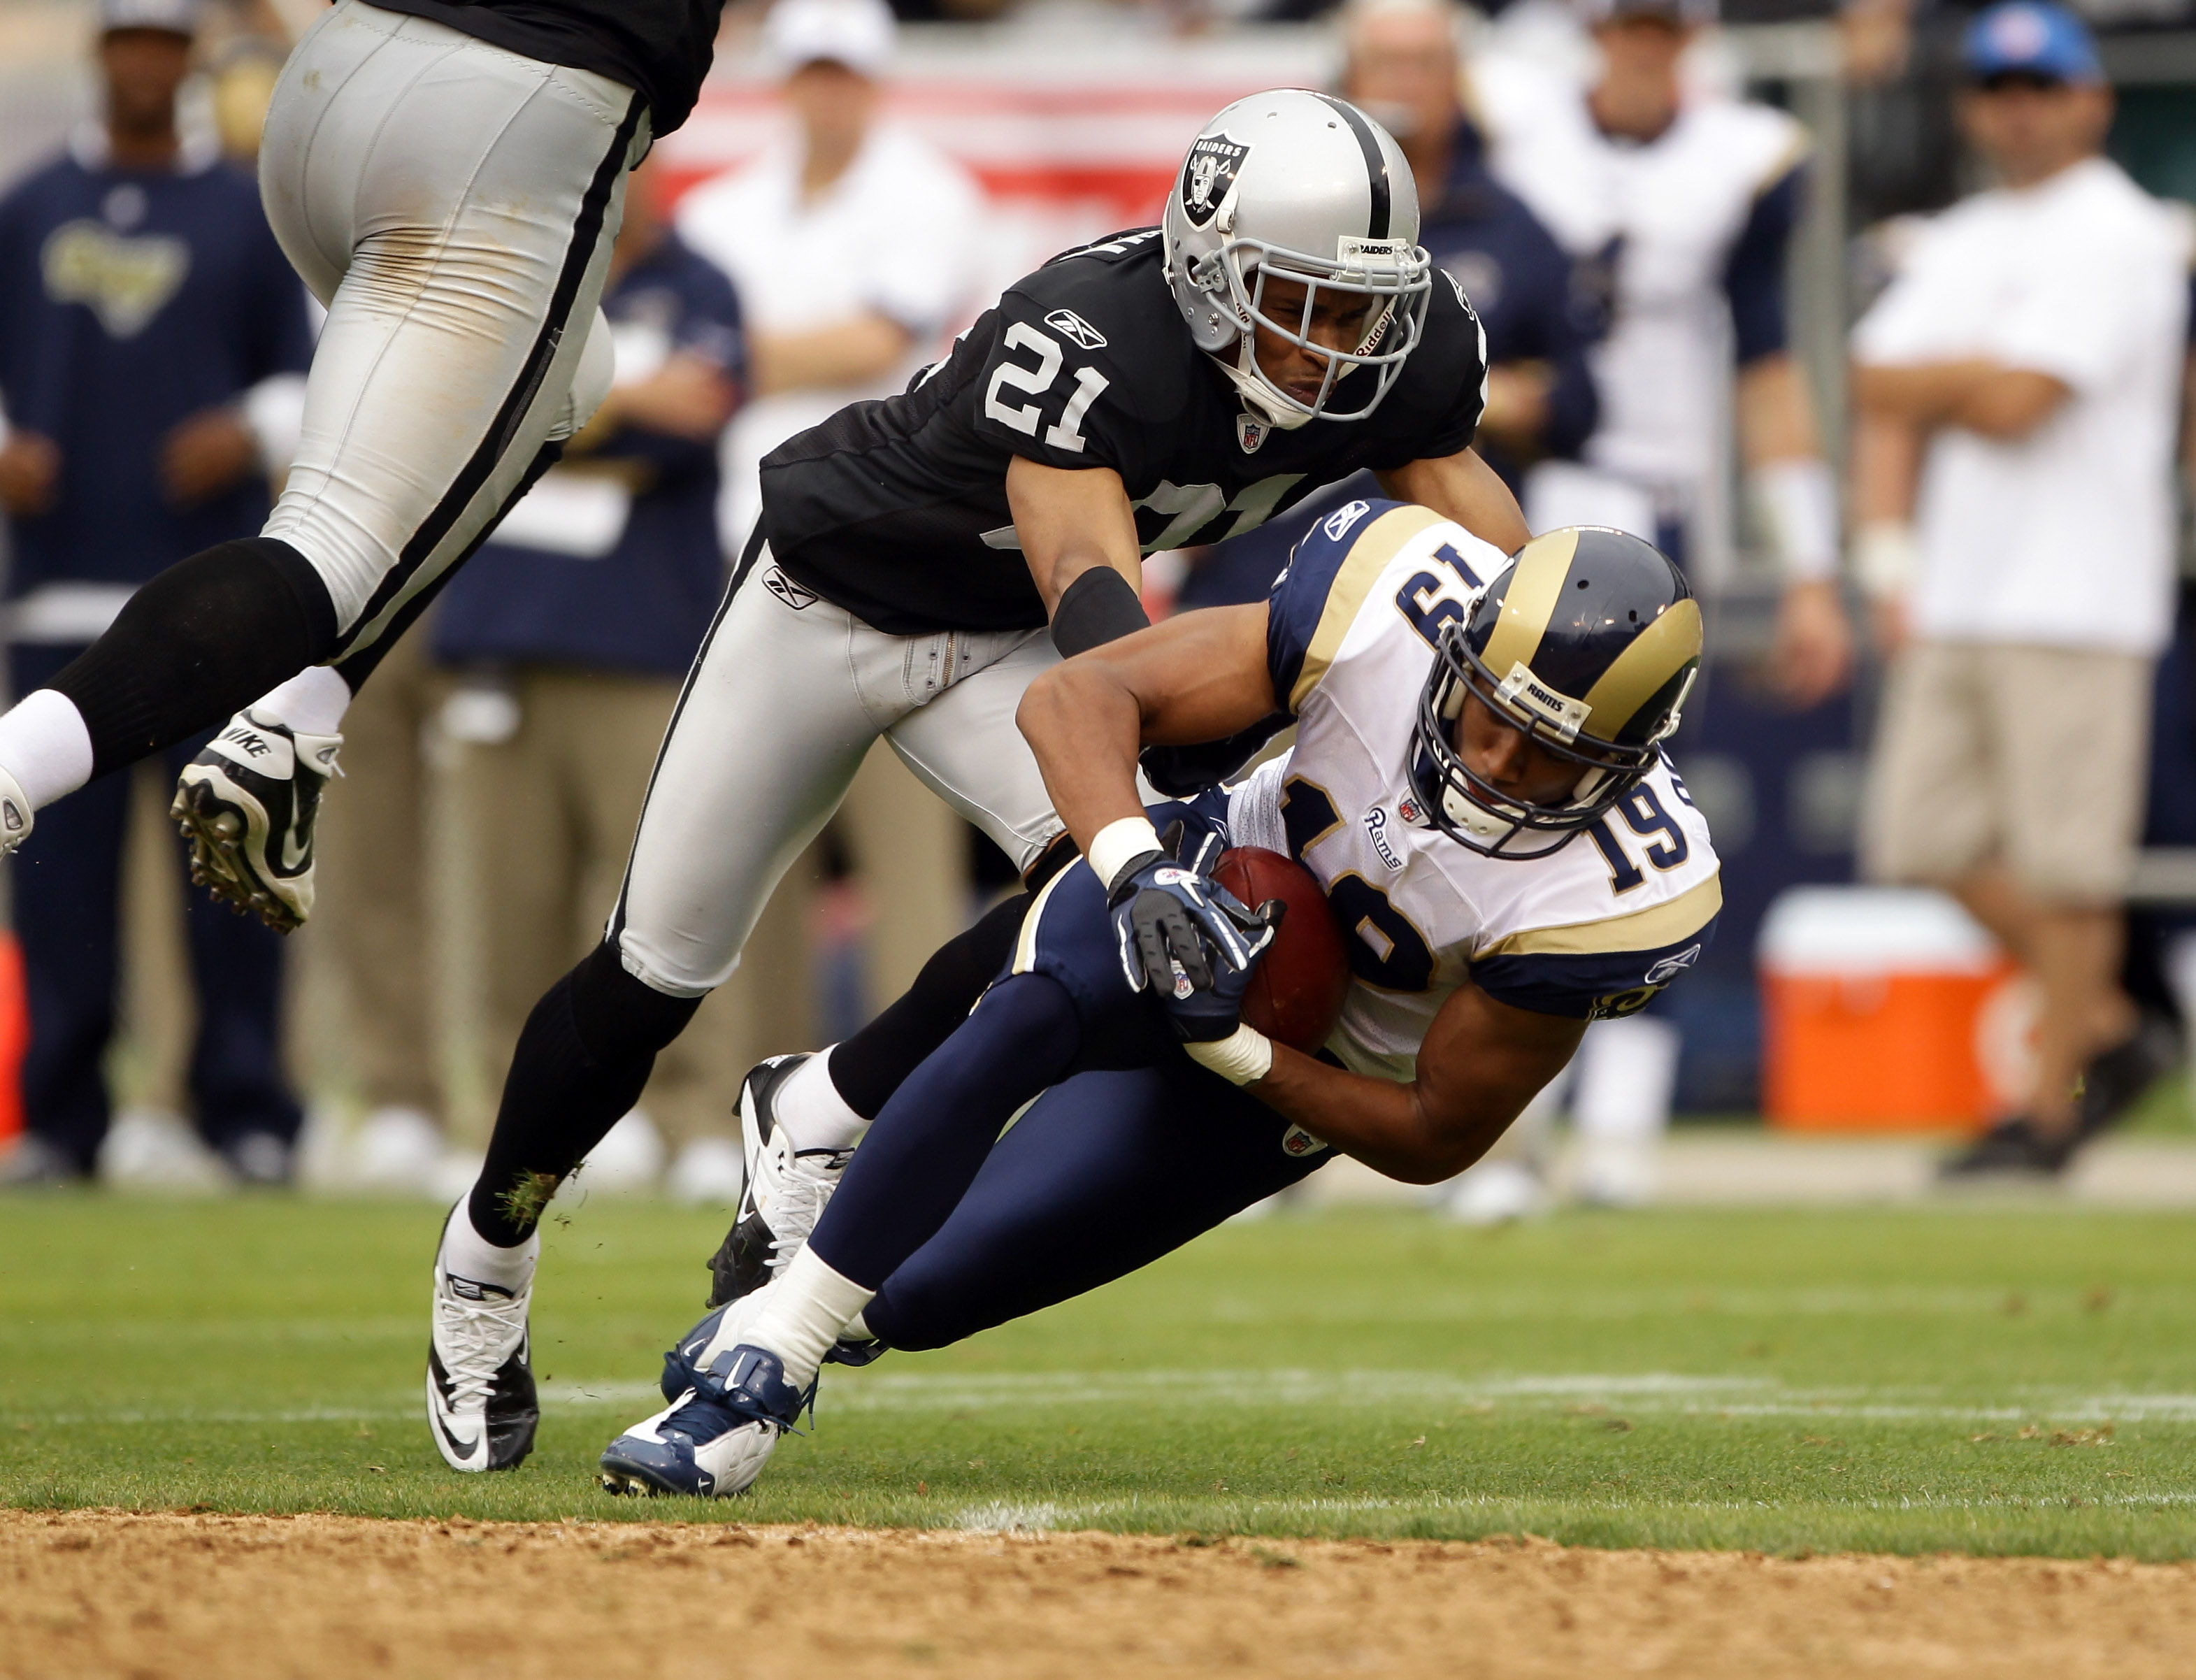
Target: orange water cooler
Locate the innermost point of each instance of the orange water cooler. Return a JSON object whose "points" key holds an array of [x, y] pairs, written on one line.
{"points": [[1886, 1010], [15, 1037]]}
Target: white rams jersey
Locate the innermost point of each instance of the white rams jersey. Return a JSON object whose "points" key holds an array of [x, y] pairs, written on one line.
{"points": [[1594, 929]]}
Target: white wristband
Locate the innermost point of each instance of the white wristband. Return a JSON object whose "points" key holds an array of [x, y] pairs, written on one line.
{"points": [[1885, 557], [1244, 1057], [1799, 499], [1119, 844]]}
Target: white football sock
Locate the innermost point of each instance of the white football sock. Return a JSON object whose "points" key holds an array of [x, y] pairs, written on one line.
{"points": [[467, 1254], [810, 1305], [1627, 1074], [45, 746], [312, 703], [814, 1113]]}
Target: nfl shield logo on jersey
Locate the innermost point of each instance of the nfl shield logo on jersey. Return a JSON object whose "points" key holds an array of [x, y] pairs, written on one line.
{"points": [[1251, 433], [1207, 173]]}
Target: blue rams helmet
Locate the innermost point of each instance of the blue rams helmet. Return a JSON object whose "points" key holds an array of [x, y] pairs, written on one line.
{"points": [[1588, 641]]}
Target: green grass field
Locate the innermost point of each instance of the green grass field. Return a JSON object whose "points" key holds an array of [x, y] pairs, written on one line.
{"points": [[1983, 1380]]}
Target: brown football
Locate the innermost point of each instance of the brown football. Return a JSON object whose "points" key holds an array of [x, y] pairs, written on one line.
{"points": [[1295, 995]]}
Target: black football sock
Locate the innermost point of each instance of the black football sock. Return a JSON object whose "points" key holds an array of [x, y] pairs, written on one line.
{"points": [[206, 637], [581, 1063]]}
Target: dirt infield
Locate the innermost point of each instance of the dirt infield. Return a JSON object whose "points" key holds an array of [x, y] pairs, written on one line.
{"points": [[98, 1593]]}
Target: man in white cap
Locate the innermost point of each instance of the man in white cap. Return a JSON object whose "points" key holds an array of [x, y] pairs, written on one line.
{"points": [[851, 241]]}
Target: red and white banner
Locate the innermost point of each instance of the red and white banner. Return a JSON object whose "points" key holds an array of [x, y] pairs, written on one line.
{"points": [[1071, 138]]}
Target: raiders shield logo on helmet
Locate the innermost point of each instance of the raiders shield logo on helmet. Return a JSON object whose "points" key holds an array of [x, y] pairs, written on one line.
{"points": [[1207, 173]]}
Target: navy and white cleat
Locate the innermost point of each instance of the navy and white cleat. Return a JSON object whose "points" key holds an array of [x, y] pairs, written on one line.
{"points": [[716, 1437], [482, 1408], [248, 804], [785, 1193]]}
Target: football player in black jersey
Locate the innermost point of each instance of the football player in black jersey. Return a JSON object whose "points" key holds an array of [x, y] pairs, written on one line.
{"points": [[448, 176], [1160, 387]]}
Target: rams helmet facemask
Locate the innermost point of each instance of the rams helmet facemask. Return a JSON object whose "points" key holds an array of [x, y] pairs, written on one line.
{"points": [[1589, 642], [1306, 189]]}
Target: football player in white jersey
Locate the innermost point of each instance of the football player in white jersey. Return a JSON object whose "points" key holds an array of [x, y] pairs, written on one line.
{"points": [[1463, 723]]}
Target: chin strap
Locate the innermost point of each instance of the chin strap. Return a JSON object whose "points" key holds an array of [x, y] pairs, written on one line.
{"points": [[1258, 395]]}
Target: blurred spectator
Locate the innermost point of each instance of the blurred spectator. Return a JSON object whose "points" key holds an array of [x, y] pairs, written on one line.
{"points": [[1687, 202], [153, 342], [2017, 390], [575, 625], [373, 935], [851, 242], [1404, 69]]}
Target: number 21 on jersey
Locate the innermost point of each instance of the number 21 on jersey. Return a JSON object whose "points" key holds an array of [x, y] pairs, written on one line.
{"points": [[1068, 432]]}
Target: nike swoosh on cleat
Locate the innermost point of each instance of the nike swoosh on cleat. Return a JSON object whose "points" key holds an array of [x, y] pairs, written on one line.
{"points": [[463, 1449], [294, 855]]}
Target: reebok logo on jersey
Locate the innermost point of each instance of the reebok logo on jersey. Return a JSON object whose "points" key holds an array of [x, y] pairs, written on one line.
{"points": [[1070, 325], [1376, 826], [787, 591], [1670, 967], [1343, 518], [1208, 173]]}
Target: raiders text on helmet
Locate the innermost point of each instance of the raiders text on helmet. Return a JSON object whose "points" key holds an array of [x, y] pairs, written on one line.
{"points": [[1588, 641], [1298, 187]]}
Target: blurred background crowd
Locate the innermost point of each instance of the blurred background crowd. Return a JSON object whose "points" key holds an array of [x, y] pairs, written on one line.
{"points": [[1875, 316]]}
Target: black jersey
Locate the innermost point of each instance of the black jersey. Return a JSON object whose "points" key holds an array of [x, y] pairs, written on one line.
{"points": [[897, 509], [660, 47]]}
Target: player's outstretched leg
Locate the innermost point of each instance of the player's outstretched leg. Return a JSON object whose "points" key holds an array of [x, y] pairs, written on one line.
{"points": [[568, 1086], [801, 1116], [744, 1372]]}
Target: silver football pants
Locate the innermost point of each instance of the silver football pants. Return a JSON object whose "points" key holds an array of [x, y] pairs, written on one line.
{"points": [[454, 205], [785, 698]]}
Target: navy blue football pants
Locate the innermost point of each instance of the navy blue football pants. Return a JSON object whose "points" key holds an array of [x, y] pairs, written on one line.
{"points": [[1130, 1150], [66, 885]]}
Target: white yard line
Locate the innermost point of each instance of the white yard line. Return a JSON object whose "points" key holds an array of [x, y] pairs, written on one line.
{"points": [[1732, 1395]]}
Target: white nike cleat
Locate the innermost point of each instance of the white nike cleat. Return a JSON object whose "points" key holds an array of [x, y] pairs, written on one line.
{"points": [[785, 1194], [247, 805], [481, 1403], [17, 819]]}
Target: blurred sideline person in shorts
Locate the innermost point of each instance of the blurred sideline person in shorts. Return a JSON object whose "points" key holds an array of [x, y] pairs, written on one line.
{"points": [[1685, 200], [2017, 389], [850, 240], [573, 628], [152, 347]]}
